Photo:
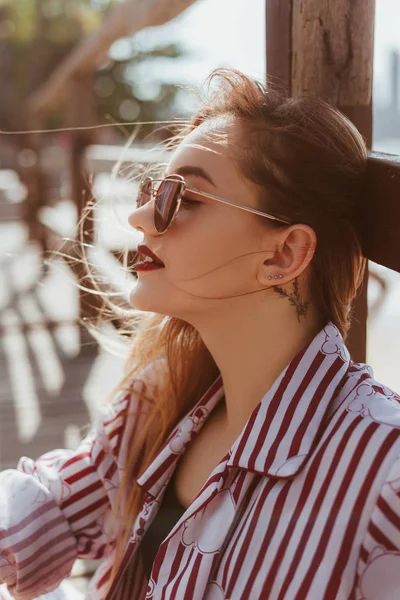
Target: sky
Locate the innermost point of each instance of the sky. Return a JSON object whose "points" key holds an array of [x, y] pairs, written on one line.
{"points": [[213, 33], [225, 32], [387, 38], [232, 33]]}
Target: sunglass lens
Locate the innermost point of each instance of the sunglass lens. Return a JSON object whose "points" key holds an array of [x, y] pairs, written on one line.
{"points": [[144, 193], [166, 202]]}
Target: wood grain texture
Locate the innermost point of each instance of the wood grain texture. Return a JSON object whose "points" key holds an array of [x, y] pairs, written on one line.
{"points": [[332, 44], [324, 48], [379, 214], [279, 42]]}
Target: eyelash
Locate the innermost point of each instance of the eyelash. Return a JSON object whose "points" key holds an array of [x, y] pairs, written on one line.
{"points": [[189, 202]]}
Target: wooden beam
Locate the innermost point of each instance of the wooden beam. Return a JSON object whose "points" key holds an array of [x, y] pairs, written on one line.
{"points": [[379, 211], [323, 48], [125, 19], [102, 158]]}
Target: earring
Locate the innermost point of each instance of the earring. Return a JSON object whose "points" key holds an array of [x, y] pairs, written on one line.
{"points": [[275, 276]]}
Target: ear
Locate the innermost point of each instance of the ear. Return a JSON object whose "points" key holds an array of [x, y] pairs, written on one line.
{"points": [[294, 248]]}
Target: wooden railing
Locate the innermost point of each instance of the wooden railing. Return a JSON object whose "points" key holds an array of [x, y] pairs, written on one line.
{"points": [[322, 49]]}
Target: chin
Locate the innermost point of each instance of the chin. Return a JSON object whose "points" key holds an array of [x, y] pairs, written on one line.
{"points": [[139, 303], [145, 299]]}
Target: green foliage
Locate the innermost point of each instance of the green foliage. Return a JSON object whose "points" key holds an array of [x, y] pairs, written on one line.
{"points": [[124, 96], [39, 34], [53, 20], [23, 14]]}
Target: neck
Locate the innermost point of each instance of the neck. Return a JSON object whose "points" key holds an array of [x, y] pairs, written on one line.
{"points": [[251, 353]]}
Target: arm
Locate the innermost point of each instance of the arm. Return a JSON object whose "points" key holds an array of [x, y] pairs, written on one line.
{"points": [[58, 508]]}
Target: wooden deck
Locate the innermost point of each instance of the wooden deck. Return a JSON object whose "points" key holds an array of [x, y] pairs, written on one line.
{"points": [[51, 381]]}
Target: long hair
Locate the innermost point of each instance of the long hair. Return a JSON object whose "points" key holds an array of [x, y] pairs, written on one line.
{"points": [[308, 161]]}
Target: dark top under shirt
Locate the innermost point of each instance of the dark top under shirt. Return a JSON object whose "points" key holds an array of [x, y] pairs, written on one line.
{"points": [[168, 515]]}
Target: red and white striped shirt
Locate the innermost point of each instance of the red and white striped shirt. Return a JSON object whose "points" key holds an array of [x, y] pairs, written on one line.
{"points": [[305, 505]]}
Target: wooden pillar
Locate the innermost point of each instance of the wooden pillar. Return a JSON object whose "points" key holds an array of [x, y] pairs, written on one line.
{"points": [[324, 48], [279, 42], [31, 173], [81, 112]]}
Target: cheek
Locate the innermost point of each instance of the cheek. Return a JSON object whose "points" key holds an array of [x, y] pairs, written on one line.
{"points": [[202, 239], [219, 249], [208, 237], [227, 234]]}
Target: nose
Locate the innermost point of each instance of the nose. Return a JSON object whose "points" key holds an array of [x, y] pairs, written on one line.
{"points": [[142, 218]]}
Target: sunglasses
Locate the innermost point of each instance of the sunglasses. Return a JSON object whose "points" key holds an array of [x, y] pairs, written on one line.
{"points": [[168, 197]]}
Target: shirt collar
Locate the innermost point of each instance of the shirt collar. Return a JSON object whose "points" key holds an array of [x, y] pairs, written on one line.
{"points": [[283, 428]]}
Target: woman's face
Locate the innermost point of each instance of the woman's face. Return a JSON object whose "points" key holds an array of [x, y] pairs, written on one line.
{"points": [[212, 252]]}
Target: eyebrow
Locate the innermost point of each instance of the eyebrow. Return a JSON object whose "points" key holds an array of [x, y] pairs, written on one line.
{"points": [[198, 171]]}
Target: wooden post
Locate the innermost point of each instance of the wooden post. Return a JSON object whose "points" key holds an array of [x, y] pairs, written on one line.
{"points": [[323, 48], [279, 42], [31, 173], [81, 112]]}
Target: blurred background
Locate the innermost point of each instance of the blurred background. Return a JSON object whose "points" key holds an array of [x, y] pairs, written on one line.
{"points": [[52, 373]]}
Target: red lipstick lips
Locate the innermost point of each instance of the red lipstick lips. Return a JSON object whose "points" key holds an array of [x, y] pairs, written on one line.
{"points": [[145, 251], [148, 265]]}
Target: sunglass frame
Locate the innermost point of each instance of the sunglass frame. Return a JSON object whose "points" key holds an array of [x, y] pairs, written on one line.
{"points": [[195, 192]]}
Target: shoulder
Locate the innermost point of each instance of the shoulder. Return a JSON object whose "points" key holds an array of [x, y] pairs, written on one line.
{"points": [[363, 395]]}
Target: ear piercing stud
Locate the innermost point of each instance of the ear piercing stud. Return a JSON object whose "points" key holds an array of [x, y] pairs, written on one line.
{"points": [[275, 276]]}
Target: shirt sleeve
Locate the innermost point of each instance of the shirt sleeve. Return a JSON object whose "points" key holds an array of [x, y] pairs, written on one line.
{"points": [[58, 508], [379, 567]]}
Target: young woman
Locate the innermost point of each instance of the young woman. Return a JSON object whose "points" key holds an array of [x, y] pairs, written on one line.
{"points": [[246, 456]]}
